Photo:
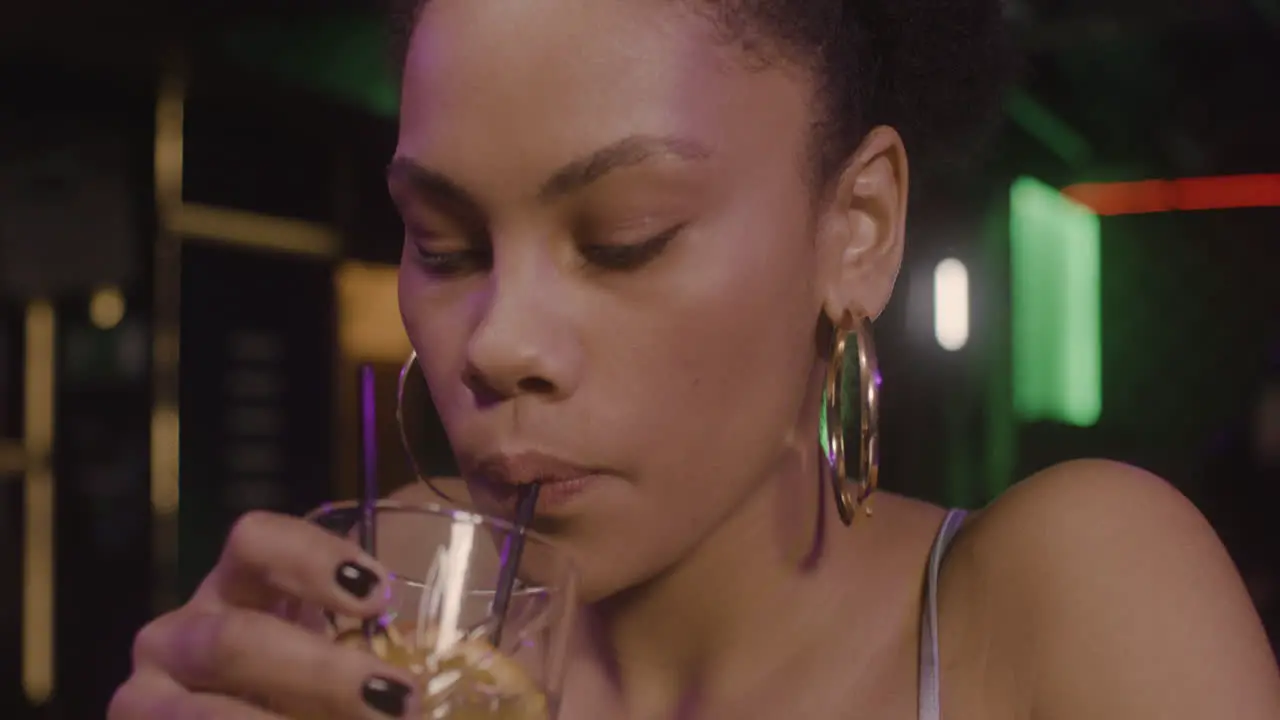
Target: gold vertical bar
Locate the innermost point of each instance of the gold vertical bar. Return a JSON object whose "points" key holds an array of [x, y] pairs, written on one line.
{"points": [[167, 283], [38, 541]]}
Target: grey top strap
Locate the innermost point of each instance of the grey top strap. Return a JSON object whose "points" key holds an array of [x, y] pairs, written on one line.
{"points": [[930, 686]]}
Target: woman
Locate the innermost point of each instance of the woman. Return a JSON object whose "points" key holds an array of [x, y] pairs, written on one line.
{"points": [[623, 215]]}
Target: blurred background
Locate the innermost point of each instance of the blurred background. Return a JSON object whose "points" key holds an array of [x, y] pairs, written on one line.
{"points": [[197, 251]]}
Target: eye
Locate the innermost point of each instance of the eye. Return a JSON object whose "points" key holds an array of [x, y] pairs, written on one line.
{"points": [[446, 263], [451, 264], [620, 258]]}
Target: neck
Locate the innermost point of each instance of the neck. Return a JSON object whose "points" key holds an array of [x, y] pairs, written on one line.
{"points": [[754, 595]]}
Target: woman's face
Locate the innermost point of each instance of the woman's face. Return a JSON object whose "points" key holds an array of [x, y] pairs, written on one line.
{"points": [[609, 259]]}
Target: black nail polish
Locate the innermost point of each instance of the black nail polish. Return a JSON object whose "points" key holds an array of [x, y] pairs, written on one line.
{"points": [[356, 579], [385, 695]]}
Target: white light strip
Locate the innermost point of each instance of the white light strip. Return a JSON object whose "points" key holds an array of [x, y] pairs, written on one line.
{"points": [[951, 304]]}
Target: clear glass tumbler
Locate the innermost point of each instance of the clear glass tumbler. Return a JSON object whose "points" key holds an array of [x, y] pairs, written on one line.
{"points": [[442, 625]]}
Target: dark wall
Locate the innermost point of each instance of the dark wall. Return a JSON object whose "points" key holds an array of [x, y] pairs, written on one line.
{"points": [[1190, 308], [256, 393], [77, 208]]}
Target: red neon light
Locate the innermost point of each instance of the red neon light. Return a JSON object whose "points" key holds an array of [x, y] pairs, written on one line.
{"points": [[1152, 196]]}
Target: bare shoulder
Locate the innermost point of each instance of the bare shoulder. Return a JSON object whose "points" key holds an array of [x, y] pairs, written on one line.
{"points": [[1111, 597]]}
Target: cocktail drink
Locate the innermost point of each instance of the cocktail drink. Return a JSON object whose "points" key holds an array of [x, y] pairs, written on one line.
{"points": [[441, 625], [469, 680]]}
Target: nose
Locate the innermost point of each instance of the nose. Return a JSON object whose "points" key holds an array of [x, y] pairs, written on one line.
{"points": [[524, 343]]}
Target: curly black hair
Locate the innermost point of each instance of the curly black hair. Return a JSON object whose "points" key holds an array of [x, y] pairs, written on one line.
{"points": [[935, 70]]}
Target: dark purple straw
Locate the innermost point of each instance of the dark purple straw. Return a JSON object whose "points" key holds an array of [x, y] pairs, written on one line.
{"points": [[512, 549], [369, 472]]}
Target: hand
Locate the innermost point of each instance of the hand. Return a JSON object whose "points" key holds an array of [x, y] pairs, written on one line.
{"points": [[227, 654]]}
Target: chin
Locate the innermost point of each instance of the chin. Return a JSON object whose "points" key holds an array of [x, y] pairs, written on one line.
{"points": [[605, 575], [592, 590]]}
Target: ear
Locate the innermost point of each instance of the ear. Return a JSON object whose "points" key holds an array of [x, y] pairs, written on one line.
{"points": [[862, 228]]}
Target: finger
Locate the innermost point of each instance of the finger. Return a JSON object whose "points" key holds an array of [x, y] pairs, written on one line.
{"points": [[152, 696], [268, 555], [248, 653]]}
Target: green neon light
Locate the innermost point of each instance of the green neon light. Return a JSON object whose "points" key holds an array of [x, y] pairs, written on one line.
{"points": [[342, 55], [1056, 274], [1051, 131]]}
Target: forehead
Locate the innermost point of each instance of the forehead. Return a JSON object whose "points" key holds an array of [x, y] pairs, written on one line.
{"points": [[511, 84]]}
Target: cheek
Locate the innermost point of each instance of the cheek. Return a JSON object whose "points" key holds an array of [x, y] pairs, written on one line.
{"points": [[718, 369], [746, 310], [698, 385], [438, 324]]}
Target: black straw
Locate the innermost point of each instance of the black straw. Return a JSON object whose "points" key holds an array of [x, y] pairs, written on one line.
{"points": [[527, 503], [369, 473]]}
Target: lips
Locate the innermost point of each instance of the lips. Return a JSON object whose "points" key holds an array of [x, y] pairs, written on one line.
{"points": [[529, 467], [560, 480]]}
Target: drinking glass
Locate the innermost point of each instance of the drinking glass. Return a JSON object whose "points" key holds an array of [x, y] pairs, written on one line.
{"points": [[441, 624]]}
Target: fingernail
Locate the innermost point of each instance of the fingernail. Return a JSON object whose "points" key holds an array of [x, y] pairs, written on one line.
{"points": [[356, 579], [385, 695]]}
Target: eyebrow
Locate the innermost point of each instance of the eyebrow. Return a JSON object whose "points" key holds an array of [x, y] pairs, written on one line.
{"points": [[437, 186], [624, 153], [576, 175]]}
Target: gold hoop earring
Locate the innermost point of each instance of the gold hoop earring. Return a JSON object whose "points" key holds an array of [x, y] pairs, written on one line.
{"points": [[412, 410], [852, 493]]}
